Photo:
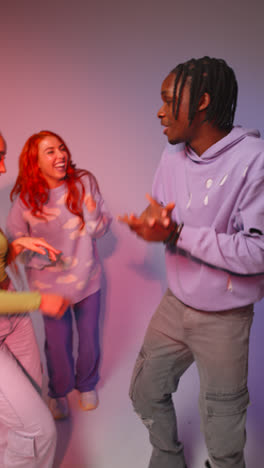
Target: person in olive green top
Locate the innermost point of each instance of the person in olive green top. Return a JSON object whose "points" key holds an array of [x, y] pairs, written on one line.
{"points": [[27, 429]]}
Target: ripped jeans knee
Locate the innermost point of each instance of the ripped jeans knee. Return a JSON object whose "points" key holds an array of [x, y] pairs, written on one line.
{"points": [[150, 393], [147, 392], [140, 392], [136, 390]]}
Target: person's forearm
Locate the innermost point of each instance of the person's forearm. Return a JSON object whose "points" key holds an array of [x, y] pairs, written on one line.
{"points": [[99, 220], [12, 302]]}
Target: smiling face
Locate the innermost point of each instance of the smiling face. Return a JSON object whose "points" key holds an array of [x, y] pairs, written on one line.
{"points": [[2, 155], [198, 133], [52, 160]]}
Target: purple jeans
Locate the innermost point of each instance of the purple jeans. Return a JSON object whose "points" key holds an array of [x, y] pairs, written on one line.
{"points": [[59, 348]]}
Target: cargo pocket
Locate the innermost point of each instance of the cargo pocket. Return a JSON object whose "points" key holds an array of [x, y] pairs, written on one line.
{"points": [[226, 404], [225, 422], [19, 446]]}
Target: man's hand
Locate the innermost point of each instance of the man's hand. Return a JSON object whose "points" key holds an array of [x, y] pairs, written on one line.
{"points": [[154, 224], [157, 213]]}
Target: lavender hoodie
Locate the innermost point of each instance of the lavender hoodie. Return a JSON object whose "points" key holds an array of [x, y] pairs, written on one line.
{"points": [[219, 196]]}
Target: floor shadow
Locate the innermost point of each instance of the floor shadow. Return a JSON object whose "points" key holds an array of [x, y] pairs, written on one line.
{"points": [[64, 432]]}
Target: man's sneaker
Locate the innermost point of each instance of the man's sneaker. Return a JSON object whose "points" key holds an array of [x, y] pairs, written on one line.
{"points": [[59, 407], [89, 400], [207, 464]]}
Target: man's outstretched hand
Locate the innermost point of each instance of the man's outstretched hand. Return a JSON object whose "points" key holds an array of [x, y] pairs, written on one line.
{"points": [[154, 224]]}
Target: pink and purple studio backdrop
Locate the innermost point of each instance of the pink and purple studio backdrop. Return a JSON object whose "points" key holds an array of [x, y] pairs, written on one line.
{"points": [[92, 71]]}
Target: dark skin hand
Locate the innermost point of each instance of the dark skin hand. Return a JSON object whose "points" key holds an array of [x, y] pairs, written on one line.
{"points": [[154, 224]]}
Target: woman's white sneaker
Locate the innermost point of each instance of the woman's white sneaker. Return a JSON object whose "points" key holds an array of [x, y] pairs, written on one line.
{"points": [[89, 400]]}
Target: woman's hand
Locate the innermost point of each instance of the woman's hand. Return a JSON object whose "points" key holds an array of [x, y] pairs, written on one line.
{"points": [[90, 203], [36, 244], [53, 305]]}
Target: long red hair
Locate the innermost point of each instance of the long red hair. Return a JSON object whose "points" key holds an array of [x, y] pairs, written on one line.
{"points": [[33, 189]]}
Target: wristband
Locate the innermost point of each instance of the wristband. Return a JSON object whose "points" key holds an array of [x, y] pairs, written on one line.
{"points": [[173, 237]]}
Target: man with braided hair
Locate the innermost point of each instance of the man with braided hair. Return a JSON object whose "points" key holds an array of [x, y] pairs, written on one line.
{"points": [[207, 208]]}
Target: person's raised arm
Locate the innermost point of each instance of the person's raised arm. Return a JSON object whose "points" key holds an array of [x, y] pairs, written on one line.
{"points": [[96, 215]]}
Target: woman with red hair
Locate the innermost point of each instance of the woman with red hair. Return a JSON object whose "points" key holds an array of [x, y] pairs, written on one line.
{"points": [[63, 204]]}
